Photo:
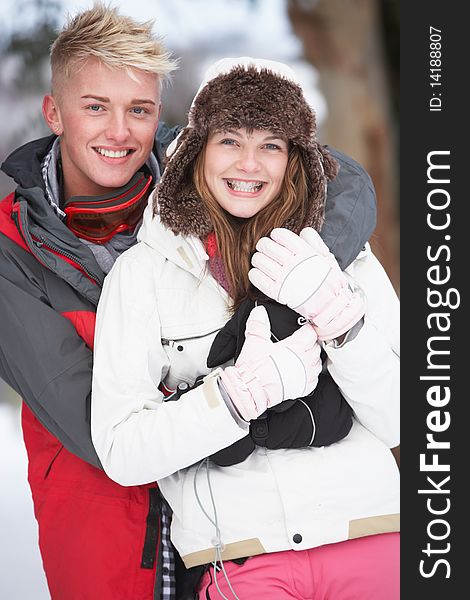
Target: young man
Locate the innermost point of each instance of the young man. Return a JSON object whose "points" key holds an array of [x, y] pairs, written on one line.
{"points": [[79, 201]]}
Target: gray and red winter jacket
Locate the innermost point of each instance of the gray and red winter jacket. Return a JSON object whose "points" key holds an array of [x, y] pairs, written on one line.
{"points": [[98, 540]]}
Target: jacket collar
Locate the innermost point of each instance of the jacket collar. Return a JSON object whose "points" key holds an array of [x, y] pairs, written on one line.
{"points": [[187, 252], [24, 164]]}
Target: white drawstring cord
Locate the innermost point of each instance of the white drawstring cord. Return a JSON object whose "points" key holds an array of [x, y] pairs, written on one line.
{"points": [[219, 547]]}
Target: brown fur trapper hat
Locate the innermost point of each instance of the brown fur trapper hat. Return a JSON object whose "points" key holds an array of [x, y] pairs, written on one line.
{"points": [[235, 94]]}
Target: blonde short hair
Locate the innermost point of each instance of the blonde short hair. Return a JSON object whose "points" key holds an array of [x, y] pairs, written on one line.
{"points": [[116, 40]]}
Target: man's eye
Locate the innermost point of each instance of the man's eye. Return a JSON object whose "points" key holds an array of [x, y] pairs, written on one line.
{"points": [[138, 110], [272, 147], [228, 142], [94, 107]]}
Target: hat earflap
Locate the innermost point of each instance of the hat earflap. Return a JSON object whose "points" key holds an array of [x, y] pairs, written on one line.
{"points": [[330, 165], [177, 201]]}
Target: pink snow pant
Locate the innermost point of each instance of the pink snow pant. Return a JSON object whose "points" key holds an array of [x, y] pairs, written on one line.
{"points": [[361, 569]]}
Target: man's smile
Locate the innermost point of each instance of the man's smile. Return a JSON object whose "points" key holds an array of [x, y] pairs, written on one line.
{"points": [[112, 153]]}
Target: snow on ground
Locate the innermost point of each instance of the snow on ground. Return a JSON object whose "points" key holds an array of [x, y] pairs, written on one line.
{"points": [[21, 573]]}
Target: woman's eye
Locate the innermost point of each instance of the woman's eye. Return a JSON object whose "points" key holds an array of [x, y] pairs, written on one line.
{"points": [[272, 147], [228, 142]]}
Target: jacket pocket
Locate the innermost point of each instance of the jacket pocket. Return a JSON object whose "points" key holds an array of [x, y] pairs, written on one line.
{"points": [[51, 463], [187, 357]]}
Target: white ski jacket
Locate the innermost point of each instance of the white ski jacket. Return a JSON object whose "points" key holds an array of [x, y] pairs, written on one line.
{"points": [[158, 315]]}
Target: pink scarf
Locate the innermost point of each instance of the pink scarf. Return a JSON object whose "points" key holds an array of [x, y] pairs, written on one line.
{"points": [[216, 263]]}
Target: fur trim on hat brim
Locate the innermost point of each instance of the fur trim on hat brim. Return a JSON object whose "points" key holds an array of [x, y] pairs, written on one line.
{"points": [[179, 204], [242, 98]]}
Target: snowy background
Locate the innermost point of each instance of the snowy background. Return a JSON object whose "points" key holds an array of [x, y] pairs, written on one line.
{"points": [[21, 574], [201, 31]]}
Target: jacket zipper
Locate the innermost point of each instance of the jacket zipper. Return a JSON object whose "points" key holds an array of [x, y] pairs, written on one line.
{"points": [[39, 242], [171, 342], [43, 242]]}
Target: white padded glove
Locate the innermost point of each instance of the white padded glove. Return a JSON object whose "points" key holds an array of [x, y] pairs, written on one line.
{"points": [[266, 373], [301, 272]]}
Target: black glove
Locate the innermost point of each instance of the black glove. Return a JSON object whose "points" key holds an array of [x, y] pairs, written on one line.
{"points": [[320, 419]]}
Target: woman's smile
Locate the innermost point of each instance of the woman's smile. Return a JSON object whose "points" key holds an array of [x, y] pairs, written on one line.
{"points": [[241, 186]]}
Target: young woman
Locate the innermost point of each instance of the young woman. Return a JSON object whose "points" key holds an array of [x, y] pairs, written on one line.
{"points": [[248, 173]]}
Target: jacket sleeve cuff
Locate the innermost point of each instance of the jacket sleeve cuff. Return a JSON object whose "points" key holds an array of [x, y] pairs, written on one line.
{"points": [[226, 398], [349, 336]]}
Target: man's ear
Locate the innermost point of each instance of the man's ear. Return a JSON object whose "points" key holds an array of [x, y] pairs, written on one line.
{"points": [[51, 113]]}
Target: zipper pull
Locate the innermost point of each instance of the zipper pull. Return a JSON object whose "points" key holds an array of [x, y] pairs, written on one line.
{"points": [[172, 344]]}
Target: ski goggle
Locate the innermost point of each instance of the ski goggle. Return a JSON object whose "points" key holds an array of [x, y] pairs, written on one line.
{"points": [[97, 219]]}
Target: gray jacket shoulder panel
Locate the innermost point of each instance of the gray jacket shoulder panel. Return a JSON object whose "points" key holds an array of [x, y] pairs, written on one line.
{"points": [[165, 135], [351, 210]]}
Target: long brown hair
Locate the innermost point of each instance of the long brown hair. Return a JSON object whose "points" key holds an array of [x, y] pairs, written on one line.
{"points": [[237, 238]]}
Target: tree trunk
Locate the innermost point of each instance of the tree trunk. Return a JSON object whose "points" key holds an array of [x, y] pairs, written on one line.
{"points": [[342, 39]]}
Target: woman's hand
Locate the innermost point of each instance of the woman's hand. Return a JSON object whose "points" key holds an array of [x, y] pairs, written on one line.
{"points": [[266, 373], [301, 272]]}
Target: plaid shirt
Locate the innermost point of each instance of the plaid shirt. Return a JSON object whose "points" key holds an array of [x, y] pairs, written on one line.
{"points": [[168, 558]]}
